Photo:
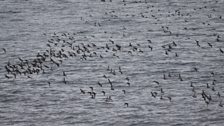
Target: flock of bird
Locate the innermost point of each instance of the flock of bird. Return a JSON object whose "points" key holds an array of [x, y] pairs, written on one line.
{"points": [[65, 46]]}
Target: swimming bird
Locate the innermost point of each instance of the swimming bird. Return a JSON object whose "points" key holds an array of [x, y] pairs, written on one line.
{"points": [[128, 84], [99, 84], [49, 83], [127, 78], [120, 70], [154, 94], [221, 50], [220, 104], [91, 89], [103, 92], [82, 91], [108, 99], [150, 47], [164, 76], [197, 42], [124, 91], [64, 81], [194, 95], [93, 95], [210, 44], [64, 73], [109, 82], [170, 99], [8, 77], [161, 90], [126, 104], [208, 85], [156, 82], [4, 50], [218, 94], [213, 89], [180, 77]]}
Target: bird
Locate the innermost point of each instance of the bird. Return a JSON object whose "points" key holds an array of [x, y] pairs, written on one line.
{"points": [[180, 78], [103, 92], [82, 91], [220, 104], [126, 104], [164, 76], [104, 76], [124, 91], [127, 78], [91, 88], [208, 85], [161, 90], [221, 50], [120, 70], [170, 99], [64, 73], [156, 82], [197, 42], [210, 44], [4, 50], [49, 83], [154, 94], [99, 84], [64, 81], [128, 84], [108, 99]]}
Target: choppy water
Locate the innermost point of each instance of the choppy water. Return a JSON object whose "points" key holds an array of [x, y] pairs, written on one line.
{"points": [[27, 25]]}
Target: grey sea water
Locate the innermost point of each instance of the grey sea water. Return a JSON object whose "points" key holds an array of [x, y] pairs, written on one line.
{"points": [[169, 69]]}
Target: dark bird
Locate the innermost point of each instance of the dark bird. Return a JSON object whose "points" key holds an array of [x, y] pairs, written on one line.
{"points": [[104, 76], [149, 41], [156, 82], [120, 70], [221, 50], [208, 85], [103, 92], [4, 50], [210, 44], [150, 47], [49, 83], [124, 91], [154, 94], [197, 42], [64, 81], [128, 84], [161, 90], [82, 91], [164, 76], [111, 41], [170, 99], [195, 69], [127, 78], [8, 77], [64, 73], [109, 82], [108, 99], [218, 94], [174, 44], [93, 95], [99, 84], [91, 88], [220, 104], [195, 94], [213, 88], [180, 77], [126, 104]]}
